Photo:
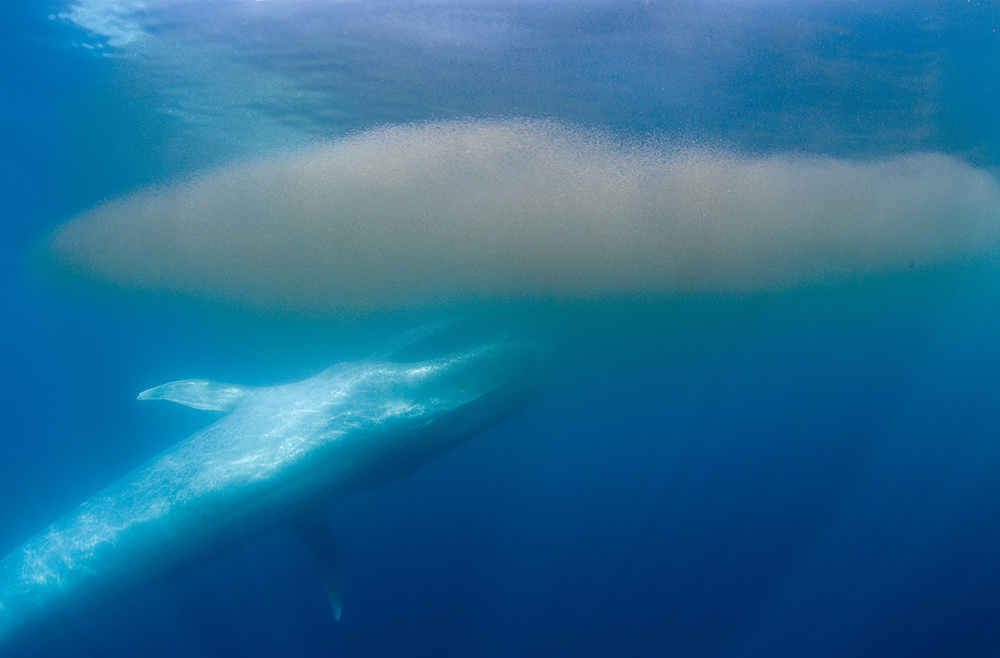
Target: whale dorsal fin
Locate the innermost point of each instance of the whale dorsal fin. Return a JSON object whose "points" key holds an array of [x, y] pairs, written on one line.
{"points": [[199, 393]]}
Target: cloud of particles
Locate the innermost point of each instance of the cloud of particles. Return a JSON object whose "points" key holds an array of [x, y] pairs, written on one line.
{"points": [[415, 214]]}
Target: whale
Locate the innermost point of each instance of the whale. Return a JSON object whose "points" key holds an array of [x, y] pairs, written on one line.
{"points": [[279, 457]]}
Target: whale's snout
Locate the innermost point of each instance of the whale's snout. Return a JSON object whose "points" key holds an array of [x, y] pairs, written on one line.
{"points": [[507, 365]]}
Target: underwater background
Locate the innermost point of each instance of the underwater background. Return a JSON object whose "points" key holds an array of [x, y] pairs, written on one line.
{"points": [[810, 471]]}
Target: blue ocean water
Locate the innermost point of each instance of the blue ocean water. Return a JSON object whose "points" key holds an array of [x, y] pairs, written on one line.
{"points": [[808, 471]]}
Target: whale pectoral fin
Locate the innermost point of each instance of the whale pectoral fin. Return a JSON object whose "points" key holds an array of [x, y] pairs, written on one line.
{"points": [[199, 393], [318, 537]]}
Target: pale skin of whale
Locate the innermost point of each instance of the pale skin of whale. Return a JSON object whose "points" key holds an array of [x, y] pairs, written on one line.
{"points": [[278, 458]]}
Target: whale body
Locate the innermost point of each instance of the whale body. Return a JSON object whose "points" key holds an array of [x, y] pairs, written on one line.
{"points": [[279, 457]]}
